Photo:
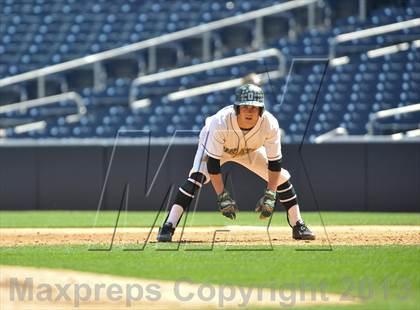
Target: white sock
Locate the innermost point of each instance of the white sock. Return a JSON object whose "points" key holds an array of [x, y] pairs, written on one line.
{"points": [[175, 215], [294, 215]]}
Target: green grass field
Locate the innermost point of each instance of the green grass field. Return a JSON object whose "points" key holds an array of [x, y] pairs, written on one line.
{"points": [[144, 219], [384, 277]]}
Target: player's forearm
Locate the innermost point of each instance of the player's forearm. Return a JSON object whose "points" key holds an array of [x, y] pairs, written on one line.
{"points": [[213, 167], [217, 182], [273, 180]]}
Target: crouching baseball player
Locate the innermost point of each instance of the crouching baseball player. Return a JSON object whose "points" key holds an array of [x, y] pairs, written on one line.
{"points": [[247, 134]]}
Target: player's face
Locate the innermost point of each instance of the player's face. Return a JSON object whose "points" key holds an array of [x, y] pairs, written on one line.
{"points": [[248, 116]]}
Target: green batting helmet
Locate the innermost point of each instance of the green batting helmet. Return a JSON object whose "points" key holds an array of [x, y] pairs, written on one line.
{"points": [[249, 94]]}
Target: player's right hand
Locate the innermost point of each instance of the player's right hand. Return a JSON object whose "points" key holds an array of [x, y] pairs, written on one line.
{"points": [[227, 205]]}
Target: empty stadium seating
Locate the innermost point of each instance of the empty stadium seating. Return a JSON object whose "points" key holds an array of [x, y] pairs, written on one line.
{"points": [[34, 35]]}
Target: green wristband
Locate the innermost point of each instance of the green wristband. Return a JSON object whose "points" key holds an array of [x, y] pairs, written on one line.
{"points": [[270, 194]]}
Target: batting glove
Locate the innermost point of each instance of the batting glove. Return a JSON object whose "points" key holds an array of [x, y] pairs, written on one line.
{"points": [[266, 204], [227, 205]]}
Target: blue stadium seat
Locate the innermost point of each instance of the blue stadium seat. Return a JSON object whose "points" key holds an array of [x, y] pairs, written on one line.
{"points": [[34, 35]]}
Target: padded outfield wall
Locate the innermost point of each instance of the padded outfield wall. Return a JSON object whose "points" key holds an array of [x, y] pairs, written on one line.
{"points": [[71, 176]]}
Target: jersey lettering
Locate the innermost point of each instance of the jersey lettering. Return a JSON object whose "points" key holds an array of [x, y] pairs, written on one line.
{"points": [[236, 152]]}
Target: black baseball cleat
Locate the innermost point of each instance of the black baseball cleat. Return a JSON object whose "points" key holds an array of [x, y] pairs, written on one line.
{"points": [[165, 233], [302, 232]]}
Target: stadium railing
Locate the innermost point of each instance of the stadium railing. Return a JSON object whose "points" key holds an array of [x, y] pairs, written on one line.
{"points": [[220, 86], [35, 103], [374, 31], [412, 108], [204, 30], [145, 79]]}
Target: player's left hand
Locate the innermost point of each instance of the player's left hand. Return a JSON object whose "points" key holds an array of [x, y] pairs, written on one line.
{"points": [[266, 204]]}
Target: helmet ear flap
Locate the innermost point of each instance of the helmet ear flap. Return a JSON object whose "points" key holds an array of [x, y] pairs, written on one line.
{"points": [[236, 109]]}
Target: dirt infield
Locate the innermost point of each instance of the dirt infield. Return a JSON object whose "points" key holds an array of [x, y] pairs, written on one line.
{"points": [[237, 235], [93, 291]]}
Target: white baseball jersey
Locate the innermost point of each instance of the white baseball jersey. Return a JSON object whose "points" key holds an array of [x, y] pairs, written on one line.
{"points": [[225, 138], [221, 138]]}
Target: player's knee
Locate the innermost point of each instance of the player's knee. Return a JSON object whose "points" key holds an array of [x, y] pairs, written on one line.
{"points": [[187, 190], [287, 195], [198, 177]]}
